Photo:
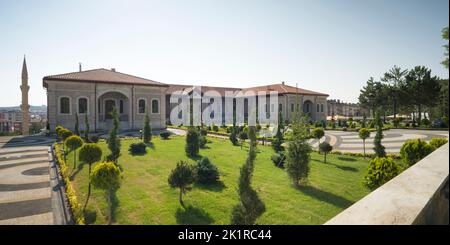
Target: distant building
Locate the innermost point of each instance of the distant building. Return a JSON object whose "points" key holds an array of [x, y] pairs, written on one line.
{"points": [[340, 110], [11, 121]]}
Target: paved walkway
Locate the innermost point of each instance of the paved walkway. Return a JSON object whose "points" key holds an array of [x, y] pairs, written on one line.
{"points": [[25, 192], [393, 139]]}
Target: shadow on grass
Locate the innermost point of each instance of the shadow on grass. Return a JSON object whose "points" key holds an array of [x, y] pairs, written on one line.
{"points": [[196, 157], [324, 196], [150, 145], [193, 216], [216, 187], [347, 159], [90, 216]]}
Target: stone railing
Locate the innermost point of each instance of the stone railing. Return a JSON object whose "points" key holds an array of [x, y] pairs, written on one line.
{"points": [[417, 196]]}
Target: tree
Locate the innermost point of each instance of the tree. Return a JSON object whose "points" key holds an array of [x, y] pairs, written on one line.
{"points": [[299, 151], [73, 143], [192, 143], [65, 133], [445, 37], [242, 137], [250, 206], [233, 136], [181, 177], [394, 78], [86, 128], [77, 130], [207, 172], [364, 133], [378, 147], [318, 133], [147, 128], [106, 176], [90, 153], [277, 143], [113, 140], [371, 96], [326, 148], [422, 88]]}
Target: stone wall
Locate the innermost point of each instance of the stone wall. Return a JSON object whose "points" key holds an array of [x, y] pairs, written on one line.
{"points": [[419, 195]]}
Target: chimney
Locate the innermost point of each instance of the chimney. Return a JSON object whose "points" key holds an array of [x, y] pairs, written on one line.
{"points": [[79, 66], [113, 69], [282, 82]]}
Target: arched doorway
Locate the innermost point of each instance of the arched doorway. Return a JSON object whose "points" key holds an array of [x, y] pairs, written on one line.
{"points": [[308, 109], [105, 105]]}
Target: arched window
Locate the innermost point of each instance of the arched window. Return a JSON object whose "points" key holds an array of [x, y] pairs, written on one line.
{"points": [[318, 107], [155, 106], [292, 107], [141, 106], [82, 105], [64, 105], [120, 106], [321, 107], [280, 107]]}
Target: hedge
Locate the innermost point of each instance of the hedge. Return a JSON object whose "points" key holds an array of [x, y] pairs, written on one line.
{"points": [[75, 206]]}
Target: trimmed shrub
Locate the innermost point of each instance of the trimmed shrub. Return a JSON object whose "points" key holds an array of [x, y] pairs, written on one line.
{"points": [[203, 131], [425, 122], [325, 148], [279, 159], [137, 148], [438, 142], [94, 139], [380, 171], [207, 173], [164, 135], [192, 142], [215, 128], [202, 141], [413, 151], [344, 128], [233, 138]]}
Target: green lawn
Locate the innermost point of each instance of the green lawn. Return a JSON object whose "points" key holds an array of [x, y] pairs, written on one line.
{"points": [[146, 198]]}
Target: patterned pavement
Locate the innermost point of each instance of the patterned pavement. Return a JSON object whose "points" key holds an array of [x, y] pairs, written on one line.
{"points": [[393, 139], [25, 190]]}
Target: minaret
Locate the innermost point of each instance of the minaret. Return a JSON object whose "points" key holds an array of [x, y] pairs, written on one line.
{"points": [[24, 106]]}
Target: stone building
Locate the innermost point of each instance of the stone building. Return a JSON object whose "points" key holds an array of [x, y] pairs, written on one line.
{"points": [[95, 92], [339, 109]]}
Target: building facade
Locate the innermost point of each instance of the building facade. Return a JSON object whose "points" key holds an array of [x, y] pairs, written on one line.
{"points": [[338, 109], [94, 93]]}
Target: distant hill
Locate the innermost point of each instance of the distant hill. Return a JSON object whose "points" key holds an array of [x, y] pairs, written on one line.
{"points": [[32, 108]]}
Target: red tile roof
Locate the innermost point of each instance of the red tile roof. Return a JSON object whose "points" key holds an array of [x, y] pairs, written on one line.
{"points": [[283, 89], [104, 76], [189, 88]]}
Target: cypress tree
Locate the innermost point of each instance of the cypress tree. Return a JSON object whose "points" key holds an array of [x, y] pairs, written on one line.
{"points": [[77, 130], [86, 128], [114, 141], [378, 147], [147, 129], [250, 206]]}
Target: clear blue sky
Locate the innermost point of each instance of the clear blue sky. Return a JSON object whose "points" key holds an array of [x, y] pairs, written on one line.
{"points": [[327, 46]]}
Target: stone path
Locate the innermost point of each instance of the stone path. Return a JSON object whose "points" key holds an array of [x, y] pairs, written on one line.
{"points": [[393, 139], [25, 190]]}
